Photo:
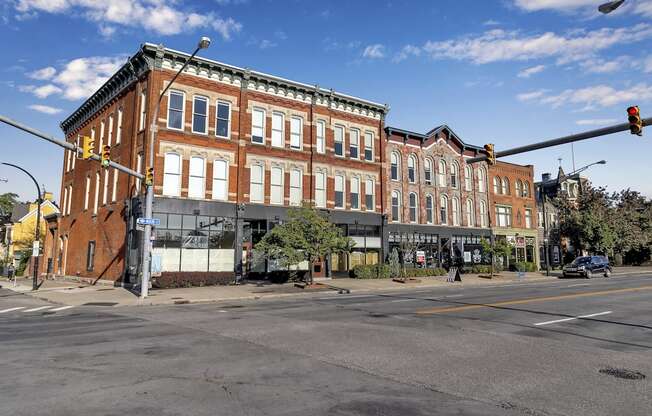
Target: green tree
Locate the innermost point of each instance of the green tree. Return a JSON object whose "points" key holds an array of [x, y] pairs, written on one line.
{"points": [[495, 249], [7, 202], [306, 236]]}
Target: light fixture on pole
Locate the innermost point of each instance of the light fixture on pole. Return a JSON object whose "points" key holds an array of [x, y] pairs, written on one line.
{"points": [[203, 43], [610, 6]]}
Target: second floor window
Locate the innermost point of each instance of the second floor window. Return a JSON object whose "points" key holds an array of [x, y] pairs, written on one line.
{"points": [[220, 179], [296, 187], [277, 130], [427, 171], [456, 211], [443, 210], [429, 216], [470, 213], [442, 173], [223, 122], [258, 126], [339, 141], [175, 110], [394, 166], [528, 218], [321, 137], [503, 216], [320, 189], [483, 214], [172, 175], [355, 193], [455, 172], [257, 186], [196, 178], [369, 191], [200, 115], [412, 168], [468, 178], [413, 207], [396, 206], [276, 186], [354, 144], [339, 191], [369, 147], [296, 127]]}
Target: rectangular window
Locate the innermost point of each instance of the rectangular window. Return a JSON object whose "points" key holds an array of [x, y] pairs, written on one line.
{"points": [[68, 154], [109, 137], [223, 123], [257, 184], [200, 115], [369, 147], [139, 167], [320, 190], [196, 178], [427, 172], [503, 216], [429, 216], [296, 179], [105, 188], [321, 137], [97, 193], [369, 191], [118, 132], [258, 126], [355, 193], [296, 127], [90, 256], [176, 103], [88, 191], [101, 148], [114, 189], [64, 200], [276, 186], [172, 175], [339, 140], [143, 110], [339, 191], [354, 144], [528, 218], [277, 130], [220, 175], [69, 199], [75, 154]]}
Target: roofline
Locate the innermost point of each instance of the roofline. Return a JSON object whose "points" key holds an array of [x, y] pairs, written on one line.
{"points": [[31, 212], [390, 129]]}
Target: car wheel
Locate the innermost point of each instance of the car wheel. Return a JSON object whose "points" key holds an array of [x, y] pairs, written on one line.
{"points": [[607, 273], [589, 274]]}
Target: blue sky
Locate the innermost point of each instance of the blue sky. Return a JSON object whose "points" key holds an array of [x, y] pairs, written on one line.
{"points": [[506, 71]]}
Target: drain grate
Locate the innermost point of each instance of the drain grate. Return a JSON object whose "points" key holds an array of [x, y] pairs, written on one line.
{"points": [[623, 373]]}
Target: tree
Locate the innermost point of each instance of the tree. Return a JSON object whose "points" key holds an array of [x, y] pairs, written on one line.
{"points": [[7, 202], [495, 249], [394, 263], [306, 236], [409, 250]]}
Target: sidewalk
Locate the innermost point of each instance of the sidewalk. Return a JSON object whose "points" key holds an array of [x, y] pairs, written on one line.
{"points": [[76, 294]]}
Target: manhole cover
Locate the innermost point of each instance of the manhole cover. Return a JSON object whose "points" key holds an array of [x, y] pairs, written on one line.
{"points": [[100, 304], [623, 373]]}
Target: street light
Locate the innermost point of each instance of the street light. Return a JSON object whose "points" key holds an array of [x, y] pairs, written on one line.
{"points": [[610, 6], [203, 43]]}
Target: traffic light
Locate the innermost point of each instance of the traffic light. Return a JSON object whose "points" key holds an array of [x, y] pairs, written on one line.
{"points": [[88, 147], [149, 177], [491, 155], [106, 156], [635, 122]]}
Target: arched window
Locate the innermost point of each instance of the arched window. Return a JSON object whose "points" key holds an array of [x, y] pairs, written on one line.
{"points": [[482, 180], [526, 189], [497, 187], [220, 180], [427, 171], [442, 173], [470, 213], [506, 186], [395, 166], [519, 188], [443, 210], [172, 174], [396, 206], [429, 213], [456, 211], [483, 214], [455, 174], [413, 208], [412, 168], [468, 178]]}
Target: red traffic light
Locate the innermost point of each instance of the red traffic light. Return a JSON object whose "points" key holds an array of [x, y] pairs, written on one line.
{"points": [[633, 111]]}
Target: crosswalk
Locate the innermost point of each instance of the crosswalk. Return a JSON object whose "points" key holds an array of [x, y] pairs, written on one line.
{"points": [[26, 309]]}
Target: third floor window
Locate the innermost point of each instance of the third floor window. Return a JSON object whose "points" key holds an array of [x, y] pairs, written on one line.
{"points": [[200, 115], [175, 110], [223, 123]]}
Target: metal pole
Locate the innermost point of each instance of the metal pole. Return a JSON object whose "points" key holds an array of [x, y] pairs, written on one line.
{"points": [[37, 232], [545, 230], [149, 196], [561, 140]]}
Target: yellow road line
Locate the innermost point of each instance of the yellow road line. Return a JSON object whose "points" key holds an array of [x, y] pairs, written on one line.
{"points": [[530, 300]]}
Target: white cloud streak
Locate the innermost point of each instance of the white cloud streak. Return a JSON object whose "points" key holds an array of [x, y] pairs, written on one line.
{"points": [[528, 72], [592, 97], [376, 51], [43, 73], [596, 122], [46, 109]]}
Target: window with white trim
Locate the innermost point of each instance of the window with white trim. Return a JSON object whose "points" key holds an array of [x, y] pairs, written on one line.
{"points": [[296, 132], [74, 154], [503, 216], [427, 171], [68, 154], [497, 188], [482, 180], [96, 201], [105, 188], [196, 177], [200, 115], [369, 146], [109, 137], [528, 218], [143, 110], [114, 188], [506, 190], [278, 122], [223, 119], [139, 168], [355, 193], [320, 189], [442, 173], [296, 187], [172, 174], [87, 193], [69, 199], [338, 132], [339, 191], [468, 178], [101, 136], [396, 206], [118, 132], [220, 180], [354, 144], [413, 207], [470, 213], [456, 211], [321, 137], [484, 220], [258, 126], [257, 183], [519, 188], [176, 104], [369, 195], [526, 185], [455, 174], [429, 209], [276, 186], [443, 210], [412, 168], [64, 200], [394, 166]]}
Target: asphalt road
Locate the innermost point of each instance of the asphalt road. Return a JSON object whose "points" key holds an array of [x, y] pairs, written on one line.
{"points": [[521, 349]]}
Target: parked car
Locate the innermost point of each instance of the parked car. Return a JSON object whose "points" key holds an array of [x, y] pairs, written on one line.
{"points": [[588, 266]]}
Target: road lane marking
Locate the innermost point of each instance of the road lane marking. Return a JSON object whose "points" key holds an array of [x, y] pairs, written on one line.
{"points": [[577, 285], [430, 311], [572, 319], [12, 309], [403, 300], [346, 297], [61, 308], [37, 309]]}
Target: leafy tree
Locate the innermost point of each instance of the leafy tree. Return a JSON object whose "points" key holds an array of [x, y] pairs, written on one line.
{"points": [[408, 253], [7, 202], [498, 248], [394, 263], [306, 236]]}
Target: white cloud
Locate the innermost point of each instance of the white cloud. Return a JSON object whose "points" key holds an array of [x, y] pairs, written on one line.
{"points": [[46, 90], [406, 52], [596, 122], [500, 45], [533, 95], [44, 109], [491, 22], [375, 51], [528, 72], [43, 73], [647, 64], [601, 66], [83, 76], [152, 15], [560, 5], [596, 96]]}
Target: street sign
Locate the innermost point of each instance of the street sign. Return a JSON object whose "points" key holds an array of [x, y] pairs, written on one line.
{"points": [[148, 221]]}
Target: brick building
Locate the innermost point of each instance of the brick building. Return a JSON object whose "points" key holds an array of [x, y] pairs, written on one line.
{"points": [[235, 148], [433, 198], [514, 210]]}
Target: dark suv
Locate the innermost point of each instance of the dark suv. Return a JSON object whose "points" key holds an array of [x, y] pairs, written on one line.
{"points": [[588, 266]]}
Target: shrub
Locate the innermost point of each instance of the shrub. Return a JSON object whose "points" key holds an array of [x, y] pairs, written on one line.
{"points": [[413, 272], [371, 271], [284, 276], [525, 266], [484, 269]]}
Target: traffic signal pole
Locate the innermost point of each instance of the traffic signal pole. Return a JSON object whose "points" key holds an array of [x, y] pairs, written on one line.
{"points": [[561, 140]]}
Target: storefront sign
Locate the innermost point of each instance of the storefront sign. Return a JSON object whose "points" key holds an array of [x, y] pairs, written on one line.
{"points": [[421, 256], [467, 257], [520, 242]]}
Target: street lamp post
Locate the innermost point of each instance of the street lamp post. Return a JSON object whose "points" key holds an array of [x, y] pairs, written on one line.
{"points": [[204, 42], [610, 6], [37, 232]]}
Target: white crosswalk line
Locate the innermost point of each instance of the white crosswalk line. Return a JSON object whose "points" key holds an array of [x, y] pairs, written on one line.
{"points": [[40, 308], [573, 318], [12, 309], [61, 308]]}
